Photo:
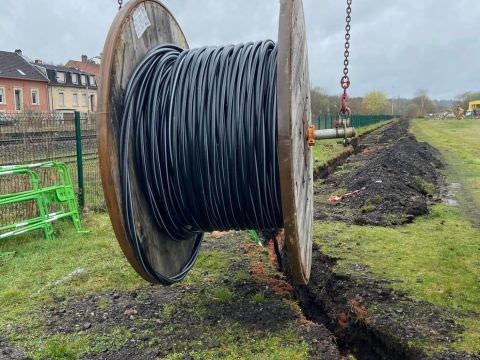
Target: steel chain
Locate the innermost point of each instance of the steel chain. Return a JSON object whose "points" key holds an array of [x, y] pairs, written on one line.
{"points": [[345, 81]]}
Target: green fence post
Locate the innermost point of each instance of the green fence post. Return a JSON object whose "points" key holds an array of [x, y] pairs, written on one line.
{"points": [[78, 136]]}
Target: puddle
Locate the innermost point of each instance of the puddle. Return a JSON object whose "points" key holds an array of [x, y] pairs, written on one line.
{"points": [[449, 194]]}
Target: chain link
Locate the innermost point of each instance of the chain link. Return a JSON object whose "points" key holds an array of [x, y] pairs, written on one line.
{"points": [[345, 81], [120, 3]]}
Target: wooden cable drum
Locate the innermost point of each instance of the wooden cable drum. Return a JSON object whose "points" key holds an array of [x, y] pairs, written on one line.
{"points": [[144, 24]]}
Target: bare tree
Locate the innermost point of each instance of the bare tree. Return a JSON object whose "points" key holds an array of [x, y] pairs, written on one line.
{"points": [[422, 96]]}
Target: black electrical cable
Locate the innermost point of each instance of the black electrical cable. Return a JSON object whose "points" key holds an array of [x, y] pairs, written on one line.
{"points": [[200, 127]]}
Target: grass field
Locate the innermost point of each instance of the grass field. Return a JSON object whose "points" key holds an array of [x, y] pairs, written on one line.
{"points": [[437, 258], [86, 263], [458, 141]]}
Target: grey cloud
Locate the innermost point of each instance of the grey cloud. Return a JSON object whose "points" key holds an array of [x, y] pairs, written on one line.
{"points": [[398, 46]]}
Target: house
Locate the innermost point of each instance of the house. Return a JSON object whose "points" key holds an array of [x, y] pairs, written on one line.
{"points": [[22, 86], [69, 89], [85, 64], [474, 105]]}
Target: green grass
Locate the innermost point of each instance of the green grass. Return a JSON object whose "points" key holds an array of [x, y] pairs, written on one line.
{"points": [[325, 150], [222, 294], [281, 345], [71, 346], [72, 264], [437, 258], [459, 143], [259, 298], [42, 271], [210, 266]]}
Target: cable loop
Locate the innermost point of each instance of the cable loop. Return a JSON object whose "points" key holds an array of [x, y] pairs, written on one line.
{"points": [[199, 141]]}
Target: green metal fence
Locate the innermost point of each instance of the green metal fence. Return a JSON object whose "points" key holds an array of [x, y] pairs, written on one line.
{"points": [[30, 137], [328, 121]]}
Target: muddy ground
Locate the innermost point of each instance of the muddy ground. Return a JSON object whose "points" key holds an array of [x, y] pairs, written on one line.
{"points": [[397, 178], [393, 179]]}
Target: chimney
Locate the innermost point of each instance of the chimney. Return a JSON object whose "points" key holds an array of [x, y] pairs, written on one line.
{"points": [[84, 58], [38, 62], [18, 52]]}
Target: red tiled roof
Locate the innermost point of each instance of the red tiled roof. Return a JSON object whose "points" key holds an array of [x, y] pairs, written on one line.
{"points": [[84, 66]]}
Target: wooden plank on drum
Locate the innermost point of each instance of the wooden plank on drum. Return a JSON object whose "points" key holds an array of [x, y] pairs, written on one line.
{"points": [[295, 159]]}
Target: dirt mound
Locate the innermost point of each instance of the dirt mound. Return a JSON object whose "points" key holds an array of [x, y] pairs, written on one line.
{"points": [[393, 179]]}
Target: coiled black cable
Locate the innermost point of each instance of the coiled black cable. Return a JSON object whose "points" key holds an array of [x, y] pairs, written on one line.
{"points": [[201, 126]]}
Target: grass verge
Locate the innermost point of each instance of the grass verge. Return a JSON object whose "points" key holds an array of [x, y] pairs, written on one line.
{"points": [[43, 272], [458, 143]]}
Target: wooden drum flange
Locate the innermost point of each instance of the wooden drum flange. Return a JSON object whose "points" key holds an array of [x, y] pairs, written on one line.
{"points": [[144, 24], [295, 158]]}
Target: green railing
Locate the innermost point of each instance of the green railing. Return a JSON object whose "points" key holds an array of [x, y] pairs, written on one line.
{"points": [[357, 121], [34, 137]]}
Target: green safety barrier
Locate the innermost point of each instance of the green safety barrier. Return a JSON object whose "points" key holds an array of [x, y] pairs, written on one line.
{"points": [[61, 193]]}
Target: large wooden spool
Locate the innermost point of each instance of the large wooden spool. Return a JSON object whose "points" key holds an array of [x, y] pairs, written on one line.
{"points": [[144, 24]]}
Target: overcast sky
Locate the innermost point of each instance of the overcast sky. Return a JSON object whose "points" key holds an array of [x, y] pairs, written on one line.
{"points": [[398, 46]]}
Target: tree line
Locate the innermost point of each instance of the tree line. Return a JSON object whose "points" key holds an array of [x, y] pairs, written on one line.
{"points": [[377, 103]]}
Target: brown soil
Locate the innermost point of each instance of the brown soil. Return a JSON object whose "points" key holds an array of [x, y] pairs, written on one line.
{"points": [[7, 351]]}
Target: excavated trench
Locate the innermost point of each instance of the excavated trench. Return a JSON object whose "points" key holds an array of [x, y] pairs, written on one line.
{"points": [[396, 179]]}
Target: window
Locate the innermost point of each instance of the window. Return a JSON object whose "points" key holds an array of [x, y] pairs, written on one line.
{"points": [[92, 103], [84, 100], [84, 79], [74, 78], [21, 72], [35, 97], [75, 100], [92, 81], [2, 95], [60, 77], [18, 99], [61, 99]]}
